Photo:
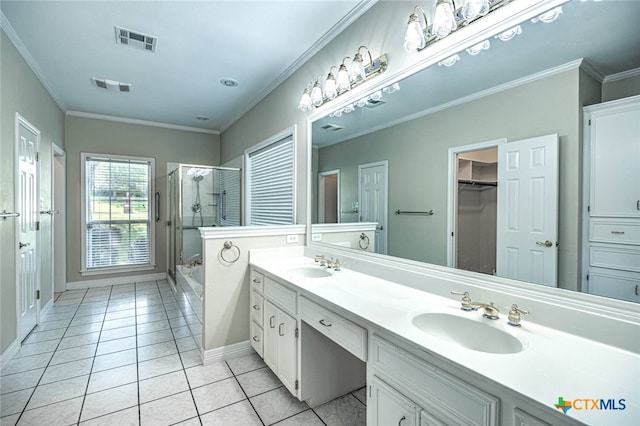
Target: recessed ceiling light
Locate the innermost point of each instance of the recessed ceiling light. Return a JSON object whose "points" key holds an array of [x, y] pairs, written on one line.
{"points": [[229, 82], [202, 118]]}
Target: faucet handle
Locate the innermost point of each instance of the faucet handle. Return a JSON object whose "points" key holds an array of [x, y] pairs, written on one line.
{"points": [[514, 315], [465, 302]]}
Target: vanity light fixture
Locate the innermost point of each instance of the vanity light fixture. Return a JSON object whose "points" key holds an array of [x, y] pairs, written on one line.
{"points": [[449, 16], [330, 86], [444, 19], [342, 79]]}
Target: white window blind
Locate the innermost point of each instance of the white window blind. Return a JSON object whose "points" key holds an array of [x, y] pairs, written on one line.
{"points": [[271, 184], [229, 197], [118, 212]]}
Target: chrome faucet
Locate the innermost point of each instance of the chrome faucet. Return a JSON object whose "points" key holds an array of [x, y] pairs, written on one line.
{"points": [[514, 315], [194, 260], [335, 264], [490, 311]]}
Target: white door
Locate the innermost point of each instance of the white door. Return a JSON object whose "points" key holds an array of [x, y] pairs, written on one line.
{"points": [[270, 336], [528, 210], [27, 139], [372, 192]]}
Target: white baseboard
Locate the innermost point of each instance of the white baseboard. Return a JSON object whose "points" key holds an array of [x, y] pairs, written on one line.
{"points": [[46, 308], [76, 285], [227, 352], [9, 353]]}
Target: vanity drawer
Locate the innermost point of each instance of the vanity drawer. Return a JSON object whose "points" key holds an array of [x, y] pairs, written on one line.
{"points": [[617, 284], [280, 295], [435, 389], [257, 305], [256, 337], [615, 257], [257, 281], [350, 336], [614, 231]]}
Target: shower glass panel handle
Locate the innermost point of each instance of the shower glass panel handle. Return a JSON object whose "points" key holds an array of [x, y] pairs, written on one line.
{"points": [[223, 207]]}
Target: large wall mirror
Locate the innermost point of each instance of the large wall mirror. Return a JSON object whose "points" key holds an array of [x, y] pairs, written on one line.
{"points": [[411, 136]]}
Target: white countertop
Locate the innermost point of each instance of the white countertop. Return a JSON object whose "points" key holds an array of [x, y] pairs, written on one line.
{"points": [[553, 364]]}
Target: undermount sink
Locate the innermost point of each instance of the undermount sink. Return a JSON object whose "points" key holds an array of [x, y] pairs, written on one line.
{"points": [[468, 333], [310, 272]]}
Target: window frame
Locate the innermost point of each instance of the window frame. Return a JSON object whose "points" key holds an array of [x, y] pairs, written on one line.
{"points": [[290, 132], [84, 270]]}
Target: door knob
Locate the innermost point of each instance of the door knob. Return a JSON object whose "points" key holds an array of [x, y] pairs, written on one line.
{"points": [[23, 245], [544, 243], [379, 228]]}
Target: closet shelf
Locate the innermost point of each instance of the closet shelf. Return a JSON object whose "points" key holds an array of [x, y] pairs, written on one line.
{"points": [[478, 182]]}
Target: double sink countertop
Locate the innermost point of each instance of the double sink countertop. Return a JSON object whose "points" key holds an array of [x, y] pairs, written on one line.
{"points": [[551, 364]]}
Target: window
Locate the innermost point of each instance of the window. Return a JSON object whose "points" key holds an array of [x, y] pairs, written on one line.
{"points": [[271, 182], [118, 231]]}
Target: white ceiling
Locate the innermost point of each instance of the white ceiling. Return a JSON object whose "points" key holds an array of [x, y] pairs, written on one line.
{"points": [[258, 43], [603, 33]]}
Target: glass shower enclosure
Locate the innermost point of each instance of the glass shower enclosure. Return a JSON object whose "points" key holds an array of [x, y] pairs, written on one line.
{"points": [[199, 196]]}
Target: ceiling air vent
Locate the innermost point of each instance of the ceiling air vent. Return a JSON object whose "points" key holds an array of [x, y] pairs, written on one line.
{"points": [[111, 85], [136, 39], [332, 127], [371, 103]]}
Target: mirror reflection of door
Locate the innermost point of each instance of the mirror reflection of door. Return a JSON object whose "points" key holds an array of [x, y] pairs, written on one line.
{"points": [[477, 210], [372, 193], [329, 197]]}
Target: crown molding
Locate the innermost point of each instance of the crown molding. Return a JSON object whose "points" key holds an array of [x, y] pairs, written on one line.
{"points": [[140, 122], [622, 75], [592, 71], [355, 13], [31, 62]]}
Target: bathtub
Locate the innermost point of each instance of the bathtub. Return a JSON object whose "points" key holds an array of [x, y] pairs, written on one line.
{"points": [[189, 286]]}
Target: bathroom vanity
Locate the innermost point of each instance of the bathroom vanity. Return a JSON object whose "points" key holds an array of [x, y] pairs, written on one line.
{"points": [[427, 361]]}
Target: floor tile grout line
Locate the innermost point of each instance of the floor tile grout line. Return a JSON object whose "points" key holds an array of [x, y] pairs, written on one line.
{"points": [[93, 361], [245, 393], [184, 370], [45, 369]]}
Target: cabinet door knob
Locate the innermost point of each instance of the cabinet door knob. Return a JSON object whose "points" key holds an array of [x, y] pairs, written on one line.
{"points": [[280, 332], [256, 307], [271, 324], [257, 281], [401, 420], [255, 339]]}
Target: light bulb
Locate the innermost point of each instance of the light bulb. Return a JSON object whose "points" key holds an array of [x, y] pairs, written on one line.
{"points": [[549, 16], [330, 90], [305, 101], [444, 21], [414, 37], [357, 69], [342, 81], [472, 9], [316, 94], [510, 33], [474, 50], [450, 61]]}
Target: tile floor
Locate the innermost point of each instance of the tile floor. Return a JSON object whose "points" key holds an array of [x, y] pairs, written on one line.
{"points": [[123, 355]]}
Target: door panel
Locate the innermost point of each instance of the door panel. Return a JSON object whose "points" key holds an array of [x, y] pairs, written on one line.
{"points": [[528, 210], [270, 336], [287, 352], [27, 193], [373, 200]]}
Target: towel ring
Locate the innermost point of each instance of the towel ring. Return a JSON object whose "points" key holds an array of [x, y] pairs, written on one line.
{"points": [[364, 241], [228, 245]]}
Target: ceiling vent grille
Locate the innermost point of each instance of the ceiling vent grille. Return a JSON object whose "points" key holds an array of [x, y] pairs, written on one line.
{"points": [[111, 85], [136, 39], [332, 127], [371, 103]]}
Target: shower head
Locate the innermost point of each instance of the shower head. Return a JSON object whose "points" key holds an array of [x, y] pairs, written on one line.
{"points": [[197, 178], [198, 172]]}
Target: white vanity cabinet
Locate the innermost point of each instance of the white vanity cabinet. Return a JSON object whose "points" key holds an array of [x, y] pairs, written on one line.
{"points": [[280, 348], [442, 398], [256, 309], [612, 176], [390, 407]]}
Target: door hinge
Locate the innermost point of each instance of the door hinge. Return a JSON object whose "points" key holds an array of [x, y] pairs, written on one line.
{"points": [[297, 332], [587, 277], [37, 225], [297, 384], [369, 391], [37, 294], [589, 122], [37, 156], [588, 209], [452, 234]]}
